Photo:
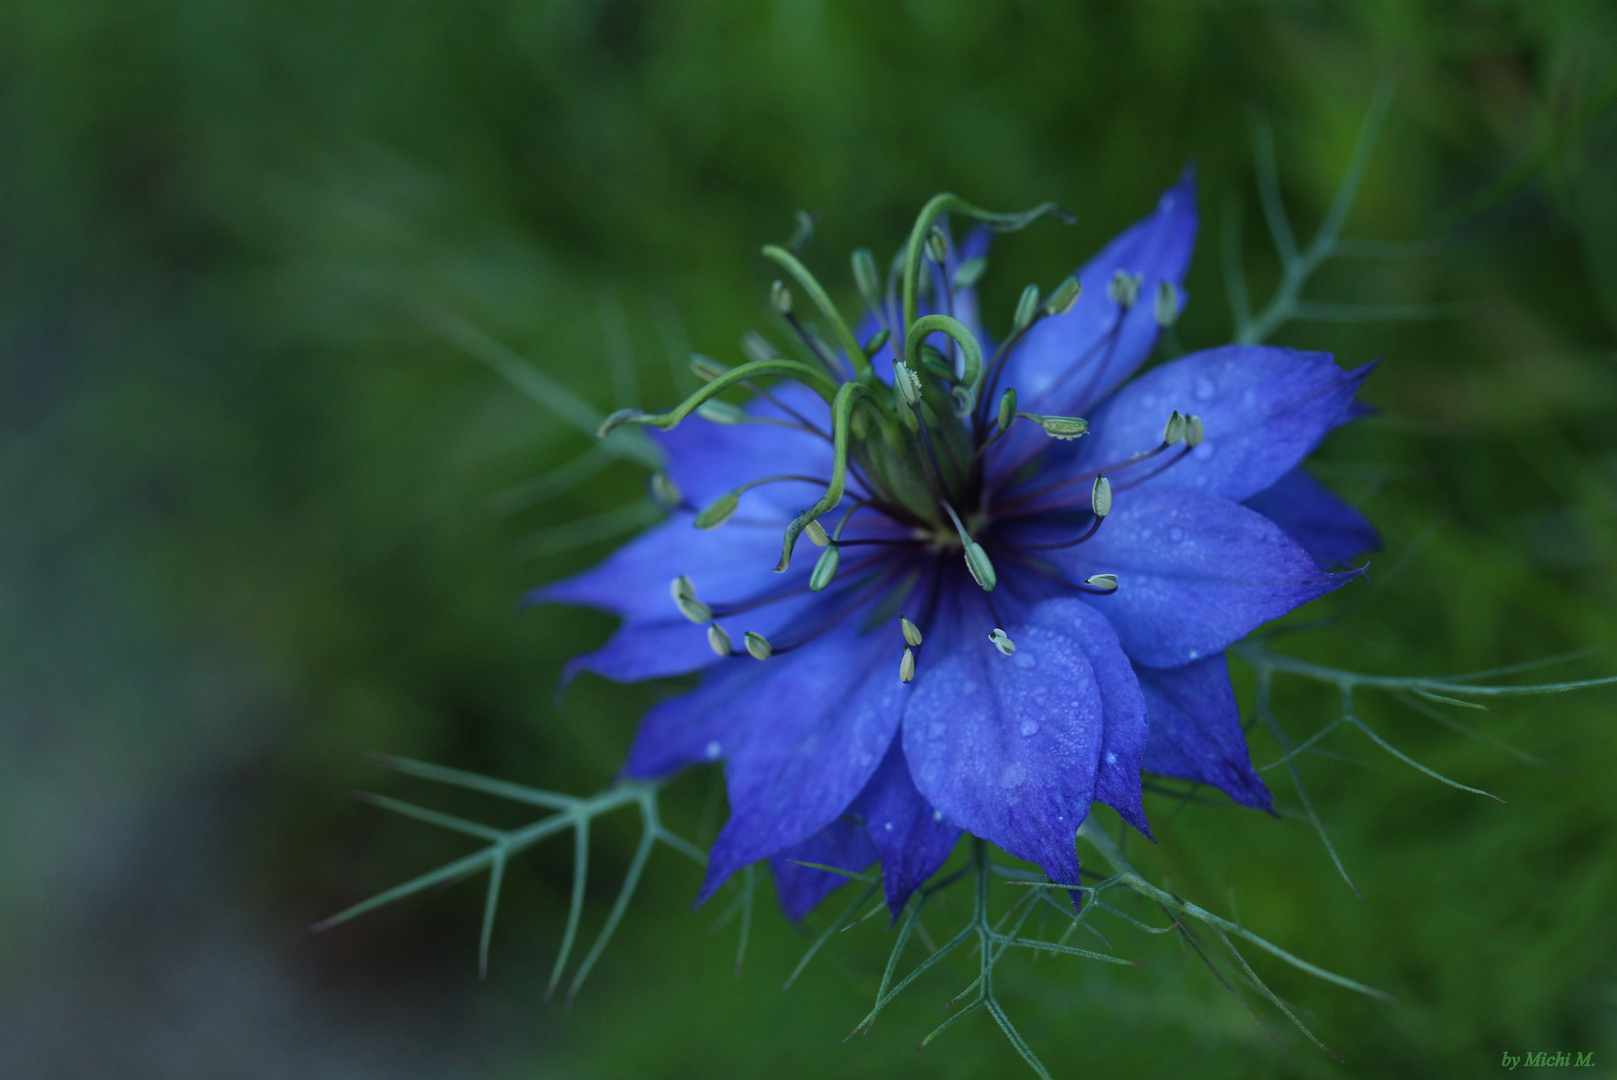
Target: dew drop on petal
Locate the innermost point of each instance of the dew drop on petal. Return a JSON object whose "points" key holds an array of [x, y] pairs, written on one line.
{"points": [[1111, 758], [1028, 728], [1204, 388], [1013, 775], [888, 826], [937, 815], [714, 750]]}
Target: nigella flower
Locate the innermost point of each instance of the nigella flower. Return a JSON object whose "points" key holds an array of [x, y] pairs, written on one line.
{"points": [[1027, 568]]}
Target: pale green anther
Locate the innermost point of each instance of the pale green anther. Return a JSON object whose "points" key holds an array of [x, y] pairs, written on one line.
{"points": [[817, 534], [969, 272], [1174, 430], [1166, 308], [758, 646], [706, 368], [867, 278], [912, 633], [937, 245], [694, 610], [1058, 427], [1100, 497], [804, 231], [877, 340], [906, 666], [721, 412], [718, 511], [977, 561], [1007, 409], [907, 382], [1026, 308], [906, 413], [684, 593], [1124, 289], [1002, 641], [825, 569], [1064, 297], [665, 491], [781, 297], [982, 570], [1102, 581], [718, 639], [1194, 431], [757, 347]]}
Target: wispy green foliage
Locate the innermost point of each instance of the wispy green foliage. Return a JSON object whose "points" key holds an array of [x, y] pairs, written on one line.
{"points": [[570, 812]]}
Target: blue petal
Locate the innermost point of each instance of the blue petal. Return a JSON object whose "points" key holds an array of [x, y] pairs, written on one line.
{"points": [[1194, 573], [730, 564], [842, 844], [1009, 747], [1117, 782], [809, 735], [648, 649], [914, 839], [696, 727], [707, 459], [1067, 363], [1327, 528], [1196, 730], [1264, 410]]}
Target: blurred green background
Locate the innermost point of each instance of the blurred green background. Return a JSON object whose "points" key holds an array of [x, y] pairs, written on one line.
{"points": [[253, 524]]}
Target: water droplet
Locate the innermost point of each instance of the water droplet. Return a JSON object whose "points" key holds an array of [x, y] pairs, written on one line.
{"points": [[937, 815], [1176, 534], [1204, 388], [1111, 758], [1013, 775], [1028, 728], [714, 750], [888, 826], [1024, 659]]}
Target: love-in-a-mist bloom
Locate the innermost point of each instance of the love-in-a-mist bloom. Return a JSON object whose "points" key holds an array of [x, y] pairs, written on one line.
{"points": [[1025, 570]]}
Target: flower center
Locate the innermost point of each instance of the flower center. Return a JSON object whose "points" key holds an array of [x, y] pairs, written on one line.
{"points": [[920, 448]]}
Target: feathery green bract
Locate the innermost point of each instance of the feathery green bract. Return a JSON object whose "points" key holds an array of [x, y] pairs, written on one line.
{"points": [[569, 813], [1297, 266], [1448, 689]]}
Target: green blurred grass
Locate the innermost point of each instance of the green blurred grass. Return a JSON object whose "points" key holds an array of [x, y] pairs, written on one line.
{"points": [[247, 487]]}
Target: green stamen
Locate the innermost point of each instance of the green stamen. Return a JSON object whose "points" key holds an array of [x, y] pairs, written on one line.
{"points": [[813, 378], [811, 285], [953, 204]]}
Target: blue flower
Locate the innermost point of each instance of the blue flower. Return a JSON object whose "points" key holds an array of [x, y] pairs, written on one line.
{"points": [[1009, 622]]}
